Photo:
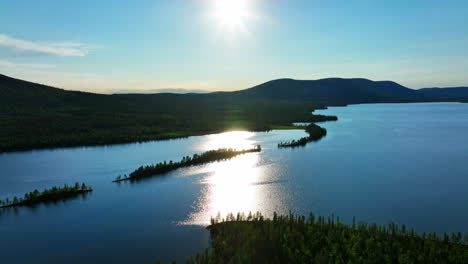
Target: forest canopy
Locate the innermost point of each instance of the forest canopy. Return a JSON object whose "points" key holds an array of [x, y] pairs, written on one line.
{"points": [[290, 239]]}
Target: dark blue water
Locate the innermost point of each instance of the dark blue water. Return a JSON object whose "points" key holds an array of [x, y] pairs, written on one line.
{"points": [[403, 163]]}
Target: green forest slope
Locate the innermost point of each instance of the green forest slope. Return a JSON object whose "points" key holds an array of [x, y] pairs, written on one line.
{"points": [[38, 116]]}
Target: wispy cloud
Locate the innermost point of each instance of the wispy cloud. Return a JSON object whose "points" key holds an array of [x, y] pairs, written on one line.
{"points": [[63, 49]]}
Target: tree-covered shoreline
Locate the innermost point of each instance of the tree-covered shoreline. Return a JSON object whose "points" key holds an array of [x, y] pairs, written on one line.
{"points": [[47, 195], [315, 133], [291, 239], [35, 116], [196, 159]]}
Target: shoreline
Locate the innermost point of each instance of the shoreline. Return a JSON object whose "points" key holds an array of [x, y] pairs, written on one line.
{"points": [[183, 136], [273, 128]]}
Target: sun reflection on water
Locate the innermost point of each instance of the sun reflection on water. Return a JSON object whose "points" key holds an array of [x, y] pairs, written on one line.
{"points": [[233, 139], [228, 187], [245, 183]]}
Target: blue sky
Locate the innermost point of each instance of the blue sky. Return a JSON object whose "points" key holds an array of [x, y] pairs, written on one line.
{"points": [[111, 46]]}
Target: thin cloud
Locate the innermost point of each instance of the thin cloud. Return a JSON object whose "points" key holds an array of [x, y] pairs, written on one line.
{"points": [[64, 49]]}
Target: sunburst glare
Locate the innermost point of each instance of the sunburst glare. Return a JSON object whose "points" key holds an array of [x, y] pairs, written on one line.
{"points": [[232, 14]]}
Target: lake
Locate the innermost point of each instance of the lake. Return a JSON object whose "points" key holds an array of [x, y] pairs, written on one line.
{"points": [[402, 163]]}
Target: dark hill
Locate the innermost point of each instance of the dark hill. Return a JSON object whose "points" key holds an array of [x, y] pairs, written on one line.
{"points": [[38, 116], [446, 94], [330, 91], [334, 91]]}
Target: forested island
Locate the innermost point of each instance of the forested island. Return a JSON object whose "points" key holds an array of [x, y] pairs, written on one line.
{"points": [[315, 133], [290, 239], [48, 195], [197, 159]]}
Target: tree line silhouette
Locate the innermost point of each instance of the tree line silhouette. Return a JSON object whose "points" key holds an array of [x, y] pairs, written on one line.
{"points": [[291, 239], [315, 133], [196, 159], [34, 116], [48, 195]]}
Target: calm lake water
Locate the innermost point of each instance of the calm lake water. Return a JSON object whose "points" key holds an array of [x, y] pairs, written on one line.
{"points": [[402, 163]]}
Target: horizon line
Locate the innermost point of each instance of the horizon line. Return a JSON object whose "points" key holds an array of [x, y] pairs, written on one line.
{"points": [[167, 90]]}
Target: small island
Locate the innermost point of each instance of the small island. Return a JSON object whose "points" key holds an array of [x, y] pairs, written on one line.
{"points": [[197, 159], [48, 195], [315, 133]]}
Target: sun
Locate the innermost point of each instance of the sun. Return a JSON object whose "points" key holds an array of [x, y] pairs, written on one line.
{"points": [[231, 13]]}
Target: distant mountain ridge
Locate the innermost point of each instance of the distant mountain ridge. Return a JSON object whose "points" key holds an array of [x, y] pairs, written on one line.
{"points": [[339, 91], [335, 91], [451, 93], [163, 90], [329, 91], [39, 116]]}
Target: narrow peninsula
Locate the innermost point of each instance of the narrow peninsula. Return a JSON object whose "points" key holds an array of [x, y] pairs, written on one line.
{"points": [[48, 195], [315, 133], [197, 159]]}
